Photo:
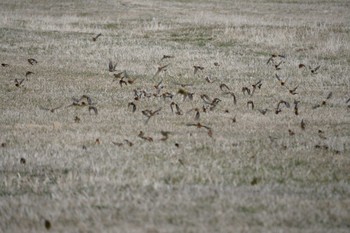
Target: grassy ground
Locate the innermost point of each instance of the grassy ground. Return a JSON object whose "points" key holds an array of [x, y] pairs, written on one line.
{"points": [[70, 170]]}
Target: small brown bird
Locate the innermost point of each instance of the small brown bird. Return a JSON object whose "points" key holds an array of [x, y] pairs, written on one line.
{"points": [[18, 82], [93, 108], [165, 135], [29, 73], [293, 91], [97, 36], [302, 124], [122, 81], [133, 105], [76, 119], [199, 125], [257, 85], [51, 109], [142, 135], [233, 96], [167, 57], [22, 161], [183, 84], [47, 224], [149, 113], [32, 61], [263, 111], [273, 56], [82, 101], [321, 134], [209, 79], [197, 68], [277, 66], [314, 70], [178, 110], [246, 90], [296, 109], [224, 86], [128, 142], [251, 104], [301, 66], [327, 98], [167, 95], [291, 133], [280, 80], [278, 108], [206, 99], [111, 66], [160, 69]]}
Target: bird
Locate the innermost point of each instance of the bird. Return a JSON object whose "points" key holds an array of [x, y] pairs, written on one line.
{"points": [[29, 73], [280, 80], [291, 133], [167, 57], [293, 90], [301, 66], [128, 142], [257, 85], [142, 135], [199, 125], [277, 66], [93, 108], [314, 70], [148, 113], [178, 110], [246, 90], [209, 79], [183, 84], [160, 69], [18, 82], [165, 135], [251, 104], [274, 56], [263, 111], [296, 109], [216, 64], [111, 66], [233, 96], [196, 68], [285, 103], [133, 105], [51, 109], [82, 101], [197, 116], [330, 94], [302, 124], [224, 86], [122, 81], [32, 61], [97, 36], [4, 64]]}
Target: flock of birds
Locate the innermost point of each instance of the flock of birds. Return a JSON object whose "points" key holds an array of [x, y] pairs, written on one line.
{"points": [[207, 104]]}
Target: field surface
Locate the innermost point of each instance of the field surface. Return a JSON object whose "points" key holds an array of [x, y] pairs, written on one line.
{"points": [[182, 116]]}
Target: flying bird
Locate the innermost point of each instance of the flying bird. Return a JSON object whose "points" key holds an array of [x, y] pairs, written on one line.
{"points": [[32, 61], [111, 66], [97, 36]]}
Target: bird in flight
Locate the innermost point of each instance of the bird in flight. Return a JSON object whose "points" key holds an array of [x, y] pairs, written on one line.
{"points": [[32, 61], [97, 36], [196, 68], [51, 109], [111, 66]]}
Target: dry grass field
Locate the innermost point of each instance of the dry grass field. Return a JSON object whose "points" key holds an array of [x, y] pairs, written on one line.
{"points": [[276, 160]]}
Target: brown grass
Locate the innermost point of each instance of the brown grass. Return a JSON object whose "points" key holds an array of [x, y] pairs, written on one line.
{"points": [[262, 173]]}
